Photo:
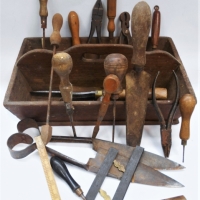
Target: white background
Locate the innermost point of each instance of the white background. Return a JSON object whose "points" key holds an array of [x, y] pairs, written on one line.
{"points": [[24, 179]]}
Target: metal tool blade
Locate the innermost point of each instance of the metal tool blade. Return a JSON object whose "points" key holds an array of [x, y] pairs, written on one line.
{"points": [[101, 174]]}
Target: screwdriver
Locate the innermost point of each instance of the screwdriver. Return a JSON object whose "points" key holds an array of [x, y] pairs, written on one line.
{"points": [[116, 64], [111, 84], [55, 39], [186, 104], [73, 21], [62, 65], [43, 15], [61, 169]]}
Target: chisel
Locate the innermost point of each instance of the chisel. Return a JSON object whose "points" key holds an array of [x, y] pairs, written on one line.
{"points": [[111, 84], [43, 15], [61, 169], [116, 64], [73, 21], [138, 80], [62, 65], [186, 104]]}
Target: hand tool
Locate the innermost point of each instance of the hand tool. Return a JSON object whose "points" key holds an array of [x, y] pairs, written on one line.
{"points": [[165, 128], [61, 169], [144, 173], [55, 40], [128, 174], [111, 84], [161, 93], [73, 21], [155, 31], [111, 13], [116, 64], [125, 36], [97, 15], [137, 80], [62, 64], [101, 174], [177, 198], [43, 15], [186, 105], [47, 169]]}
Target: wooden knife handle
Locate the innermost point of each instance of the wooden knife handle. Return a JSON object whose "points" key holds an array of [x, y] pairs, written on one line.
{"points": [[186, 104], [62, 65], [155, 31], [57, 22], [73, 21], [111, 13], [140, 26]]}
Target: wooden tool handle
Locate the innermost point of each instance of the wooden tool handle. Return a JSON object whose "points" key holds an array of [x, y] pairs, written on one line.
{"points": [[62, 65], [73, 21], [111, 13], [111, 84], [186, 104], [43, 8], [61, 169], [140, 26], [155, 31], [57, 22]]}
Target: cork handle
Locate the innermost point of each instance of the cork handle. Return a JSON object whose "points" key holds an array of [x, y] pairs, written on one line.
{"points": [[186, 105], [140, 26], [57, 22], [155, 32], [111, 13], [73, 21]]}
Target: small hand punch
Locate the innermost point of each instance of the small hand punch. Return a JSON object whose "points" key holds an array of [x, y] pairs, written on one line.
{"points": [[165, 128], [125, 36], [97, 15]]}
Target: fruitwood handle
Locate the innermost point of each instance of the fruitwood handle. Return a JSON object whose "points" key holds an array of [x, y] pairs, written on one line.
{"points": [[57, 22], [140, 26], [73, 21], [155, 32], [186, 104], [111, 13], [62, 65]]}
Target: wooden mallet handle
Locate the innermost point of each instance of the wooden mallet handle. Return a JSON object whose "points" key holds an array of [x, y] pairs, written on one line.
{"points": [[57, 22], [73, 21]]}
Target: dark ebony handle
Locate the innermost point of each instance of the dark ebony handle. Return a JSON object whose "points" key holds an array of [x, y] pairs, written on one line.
{"points": [[60, 168]]}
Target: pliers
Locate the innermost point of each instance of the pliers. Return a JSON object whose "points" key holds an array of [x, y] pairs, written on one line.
{"points": [[165, 127], [97, 15], [125, 36]]}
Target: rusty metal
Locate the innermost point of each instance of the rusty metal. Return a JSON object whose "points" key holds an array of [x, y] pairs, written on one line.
{"points": [[125, 36], [165, 127]]}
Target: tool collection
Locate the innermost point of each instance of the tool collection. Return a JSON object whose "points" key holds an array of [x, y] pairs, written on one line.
{"points": [[125, 78]]}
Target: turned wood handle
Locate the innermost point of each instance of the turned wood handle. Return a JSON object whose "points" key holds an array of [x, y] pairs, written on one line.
{"points": [[57, 22], [140, 26], [62, 65], [186, 104], [155, 32], [111, 13], [43, 8], [73, 21]]}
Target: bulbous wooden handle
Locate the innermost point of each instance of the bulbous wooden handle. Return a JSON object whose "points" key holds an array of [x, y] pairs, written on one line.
{"points": [[43, 8], [111, 84], [155, 31], [73, 21], [140, 26], [111, 13], [57, 22], [186, 104]]}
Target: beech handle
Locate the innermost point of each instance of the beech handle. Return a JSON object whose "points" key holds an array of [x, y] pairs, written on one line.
{"points": [[60, 168], [140, 26], [73, 21], [57, 22], [111, 13], [186, 104], [155, 31]]}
